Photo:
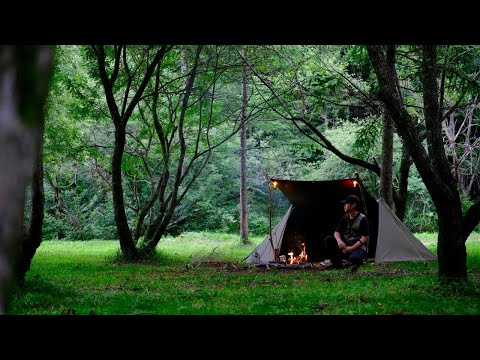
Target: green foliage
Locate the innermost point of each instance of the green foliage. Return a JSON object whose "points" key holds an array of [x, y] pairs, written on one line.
{"points": [[79, 217], [420, 213], [334, 81], [367, 138]]}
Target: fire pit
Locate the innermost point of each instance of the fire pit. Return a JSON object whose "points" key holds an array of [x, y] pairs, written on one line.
{"points": [[292, 262]]}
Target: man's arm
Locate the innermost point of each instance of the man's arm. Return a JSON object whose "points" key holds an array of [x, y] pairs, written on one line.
{"points": [[338, 237], [363, 240]]}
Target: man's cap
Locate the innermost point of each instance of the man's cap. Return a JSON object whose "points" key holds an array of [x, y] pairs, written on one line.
{"points": [[351, 199]]}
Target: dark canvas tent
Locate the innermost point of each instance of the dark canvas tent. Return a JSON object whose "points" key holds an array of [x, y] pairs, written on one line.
{"points": [[314, 213]]}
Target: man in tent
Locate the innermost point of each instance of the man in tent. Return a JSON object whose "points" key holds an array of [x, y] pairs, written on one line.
{"points": [[350, 238]]}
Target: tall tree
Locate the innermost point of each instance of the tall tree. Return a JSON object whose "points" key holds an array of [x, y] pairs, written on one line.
{"points": [[432, 163], [401, 196], [243, 160], [33, 232], [177, 122], [24, 74], [386, 183], [139, 77], [191, 119]]}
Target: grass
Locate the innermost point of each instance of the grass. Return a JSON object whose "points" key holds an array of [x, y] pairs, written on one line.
{"points": [[203, 273]]}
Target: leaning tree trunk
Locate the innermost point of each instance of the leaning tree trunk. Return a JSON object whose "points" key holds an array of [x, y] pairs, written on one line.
{"points": [[33, 232], [24, 74], [386, 186]]}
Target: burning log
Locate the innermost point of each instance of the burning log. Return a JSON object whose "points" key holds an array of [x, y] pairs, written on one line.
{"points": [[276, 265]]}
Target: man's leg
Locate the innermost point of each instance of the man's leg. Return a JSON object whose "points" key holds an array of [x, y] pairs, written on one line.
{"points": [[357, 256], [333, 252]]}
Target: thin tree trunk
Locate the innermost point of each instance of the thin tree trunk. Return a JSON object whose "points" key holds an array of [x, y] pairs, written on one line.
{"points": [[24, 75], [386, 186], [401, 200], [243, 163], [168, 205], [125, 235]]}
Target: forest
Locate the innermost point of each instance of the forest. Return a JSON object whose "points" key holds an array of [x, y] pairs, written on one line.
{"points": [[137, 145]]}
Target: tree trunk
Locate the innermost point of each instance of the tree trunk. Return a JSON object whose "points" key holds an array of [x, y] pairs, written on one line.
{"points": [[24, 75], [451, 250], [33, 233], [401, 200], [386, 186], [125, 235], [433, 166], [120, 120], [243, 163], [149, 247]]}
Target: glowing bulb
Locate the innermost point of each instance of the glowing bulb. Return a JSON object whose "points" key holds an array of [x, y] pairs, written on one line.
{"points": [[274, 184], [355, 183]]}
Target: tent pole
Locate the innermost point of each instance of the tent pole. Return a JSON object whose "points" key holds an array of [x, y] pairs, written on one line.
{"points": [[275, 252], [270, 219]]}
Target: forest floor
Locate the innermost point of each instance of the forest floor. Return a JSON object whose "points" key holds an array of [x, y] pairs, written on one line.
{"points": [[203, 274]]}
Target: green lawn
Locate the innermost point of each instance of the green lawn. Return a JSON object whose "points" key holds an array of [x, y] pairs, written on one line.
{"points": [[85, 278]]}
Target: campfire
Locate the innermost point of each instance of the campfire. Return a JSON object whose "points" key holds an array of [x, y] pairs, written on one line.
{"points": [[293, 262], [301, 258]]}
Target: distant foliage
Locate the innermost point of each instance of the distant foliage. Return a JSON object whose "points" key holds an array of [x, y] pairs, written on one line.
{"points": [[79, 138], [367, 138]]}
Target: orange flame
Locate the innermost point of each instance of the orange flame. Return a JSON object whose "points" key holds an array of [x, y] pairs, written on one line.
{"points": [[291, 258], [303, 257]]}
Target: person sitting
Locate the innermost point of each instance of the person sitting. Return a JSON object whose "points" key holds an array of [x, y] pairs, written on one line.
{"points": [[350, 238]]}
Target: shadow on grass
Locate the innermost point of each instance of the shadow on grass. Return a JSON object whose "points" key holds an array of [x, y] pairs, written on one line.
{"points": [[451, 288], [151, 259], [37, 293]]}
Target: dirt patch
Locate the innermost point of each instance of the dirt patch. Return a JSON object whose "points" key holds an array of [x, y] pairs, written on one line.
{"points": [[229, 266], [120, 287]]}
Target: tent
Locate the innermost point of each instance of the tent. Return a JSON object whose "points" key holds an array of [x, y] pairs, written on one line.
{"points": [[314, 212]]}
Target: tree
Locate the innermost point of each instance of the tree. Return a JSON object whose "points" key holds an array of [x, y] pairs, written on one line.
{"points": [[432, 163], [24, 74], [120, 114], [176, 118], [243, 161], [192, 113], [33, 232]]}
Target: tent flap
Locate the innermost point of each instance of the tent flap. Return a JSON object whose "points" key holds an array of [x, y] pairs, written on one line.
{"points": [[395, 242], [264, 252]]}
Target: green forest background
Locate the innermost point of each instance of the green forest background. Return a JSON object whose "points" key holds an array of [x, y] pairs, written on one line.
{"points": [[339, 82]]}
